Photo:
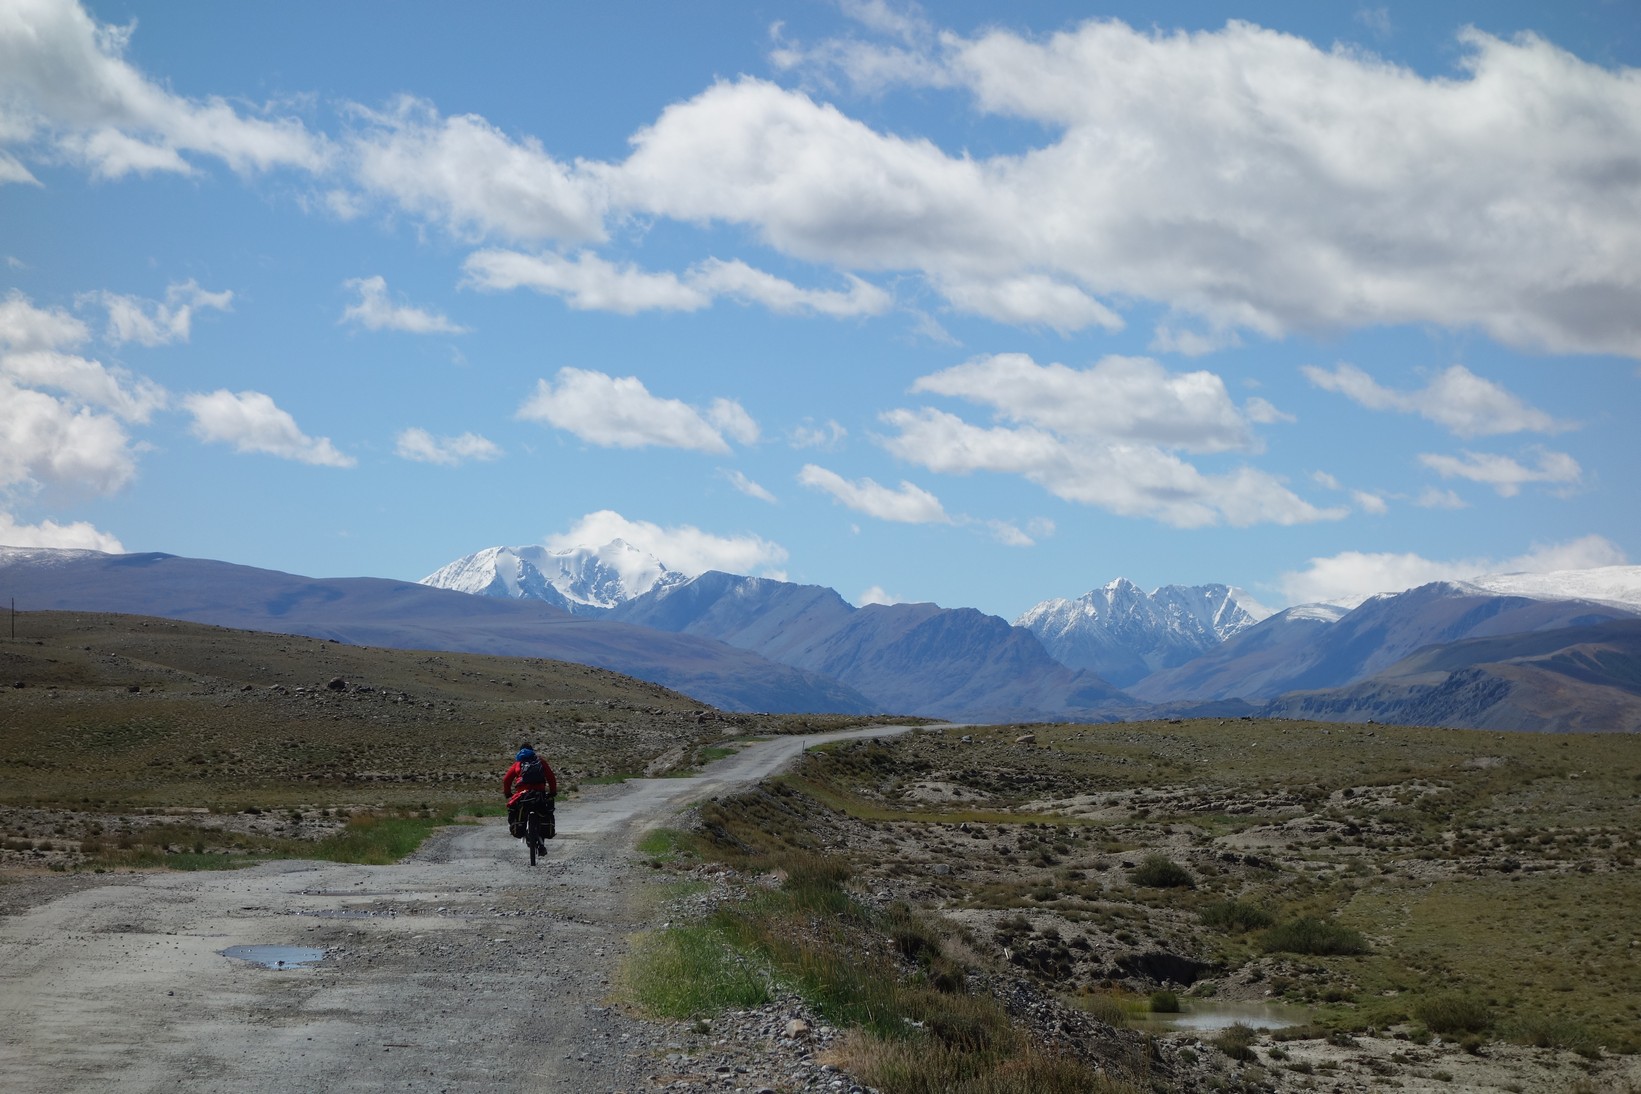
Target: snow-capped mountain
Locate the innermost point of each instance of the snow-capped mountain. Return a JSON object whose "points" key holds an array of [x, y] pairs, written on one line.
{"points": [[583, 580], [1125, 634], [1619, 586]]}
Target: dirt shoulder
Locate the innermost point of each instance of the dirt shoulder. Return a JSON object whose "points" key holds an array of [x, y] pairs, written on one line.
{"points": [[461, 966]]}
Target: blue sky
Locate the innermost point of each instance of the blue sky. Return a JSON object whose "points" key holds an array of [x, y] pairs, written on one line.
{"points": [[976, 303]]}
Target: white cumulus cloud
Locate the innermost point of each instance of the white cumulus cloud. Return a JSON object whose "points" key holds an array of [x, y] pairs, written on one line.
{"points": [[467, 176], [50, 442], [620, 412], [251, 422], [69, 91], [1101, 436], [77, 535], [1351, 576], [1243, 176], [1121, 398], [62, 415]]}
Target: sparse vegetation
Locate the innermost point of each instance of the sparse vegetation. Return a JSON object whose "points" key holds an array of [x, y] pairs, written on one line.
{"points": [[1357, 872], [882, 973]]}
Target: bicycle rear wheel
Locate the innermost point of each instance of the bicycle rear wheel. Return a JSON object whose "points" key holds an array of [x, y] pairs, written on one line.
{"points": [[532, 834]]}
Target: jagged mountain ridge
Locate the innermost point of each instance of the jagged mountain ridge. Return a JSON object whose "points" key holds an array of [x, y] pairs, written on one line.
{"points": [[1445, 654], [580, 580], [1125, 634]]}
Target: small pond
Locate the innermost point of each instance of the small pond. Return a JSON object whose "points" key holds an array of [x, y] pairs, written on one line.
{"points": [[1211, 1016], [275, 957]]}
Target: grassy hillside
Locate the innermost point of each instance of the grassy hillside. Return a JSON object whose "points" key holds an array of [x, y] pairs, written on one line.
{"points": [[166, 740]]}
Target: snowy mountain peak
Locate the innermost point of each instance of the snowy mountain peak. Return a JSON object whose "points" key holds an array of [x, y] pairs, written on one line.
{"points": [[578, 579], [1124, 633]]}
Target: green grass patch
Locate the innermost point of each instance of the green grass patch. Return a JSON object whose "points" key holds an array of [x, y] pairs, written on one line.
{"points": [[693, 971], [1548, 952], [663, 845], [376, 840]]}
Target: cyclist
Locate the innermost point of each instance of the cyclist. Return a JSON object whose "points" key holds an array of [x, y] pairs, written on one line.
{"points": [[529, 773]]}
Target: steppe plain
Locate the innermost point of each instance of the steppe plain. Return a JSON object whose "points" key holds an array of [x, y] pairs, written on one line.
{"points": [[1436, 910]]}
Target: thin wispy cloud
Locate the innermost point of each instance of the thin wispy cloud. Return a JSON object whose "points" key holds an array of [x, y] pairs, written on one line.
{"points": [[1457, 399], [420, 446], [376, 310], [906, 504], [1505, 474]]}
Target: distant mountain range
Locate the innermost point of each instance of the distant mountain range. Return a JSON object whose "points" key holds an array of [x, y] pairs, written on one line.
{"points": [[1539, 652], [405, 615]]}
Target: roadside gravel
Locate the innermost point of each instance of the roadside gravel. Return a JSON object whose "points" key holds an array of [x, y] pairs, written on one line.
{"points": [[457, 969]]}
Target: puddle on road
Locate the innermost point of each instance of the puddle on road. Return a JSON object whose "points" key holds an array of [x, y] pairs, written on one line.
{"points": [[1209, 1017], [275, 957]]}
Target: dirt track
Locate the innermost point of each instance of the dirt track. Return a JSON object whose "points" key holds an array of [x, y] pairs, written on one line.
{"points": [[461, 968]]}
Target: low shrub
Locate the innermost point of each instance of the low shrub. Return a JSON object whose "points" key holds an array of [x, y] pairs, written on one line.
{"points": [[1454, 1012], [1164, 1002], [1314, 936], [1161, 872], [1237, 1042], [1235, 915], [1556, 1031]]}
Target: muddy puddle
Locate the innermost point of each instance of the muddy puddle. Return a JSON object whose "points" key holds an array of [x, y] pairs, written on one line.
{"points": [[275, 957]]}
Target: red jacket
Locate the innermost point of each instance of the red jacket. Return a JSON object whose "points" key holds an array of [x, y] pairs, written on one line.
{"points": [[507, 781]]}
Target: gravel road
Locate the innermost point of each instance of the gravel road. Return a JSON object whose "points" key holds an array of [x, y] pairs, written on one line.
{"points": [[461, 968]]}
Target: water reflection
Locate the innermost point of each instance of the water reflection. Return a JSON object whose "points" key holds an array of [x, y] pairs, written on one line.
{"points": [[1210, 1016], [275, 957]]}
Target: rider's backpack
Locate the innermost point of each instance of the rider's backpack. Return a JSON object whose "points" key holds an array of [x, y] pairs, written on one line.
{"points": [[532, 772]]}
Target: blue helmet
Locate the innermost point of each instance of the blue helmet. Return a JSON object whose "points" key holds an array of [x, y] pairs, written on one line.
{"points": [[525, 754]]}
